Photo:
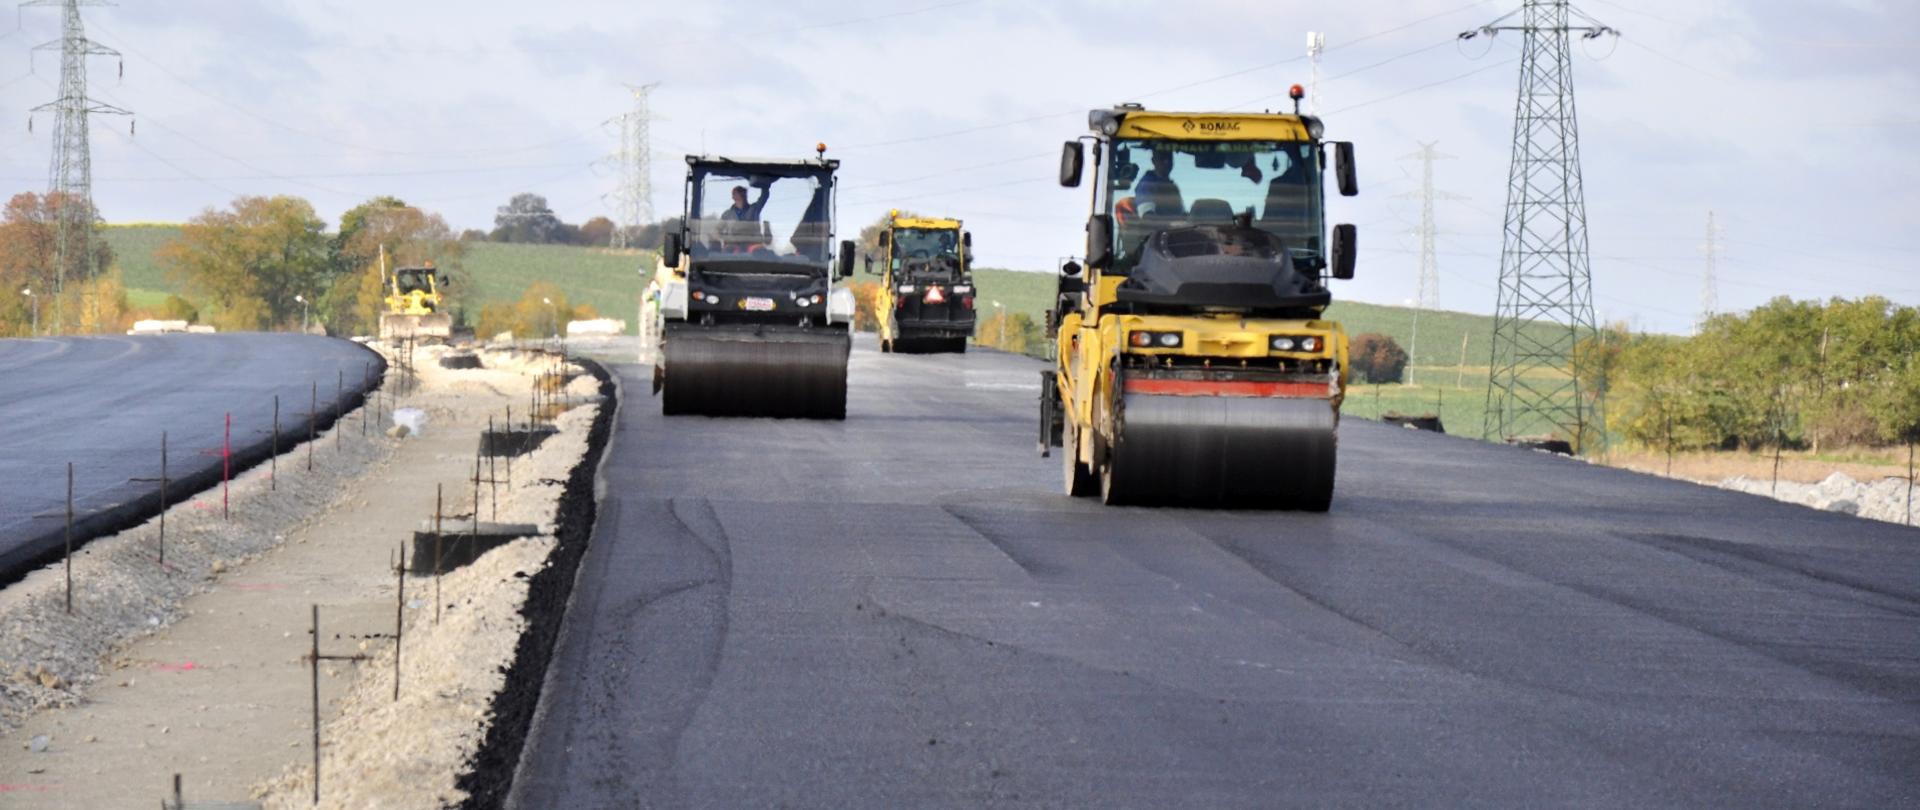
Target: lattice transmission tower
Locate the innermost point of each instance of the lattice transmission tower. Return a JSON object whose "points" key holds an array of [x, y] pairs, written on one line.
{"points": [[633, 200], [70, 182], [1545, 305], [1709, 287], [1427, 295], [1316, 47]]}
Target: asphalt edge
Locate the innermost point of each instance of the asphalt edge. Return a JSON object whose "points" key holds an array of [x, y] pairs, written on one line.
{"points": [[491, 773], [50, 547]]}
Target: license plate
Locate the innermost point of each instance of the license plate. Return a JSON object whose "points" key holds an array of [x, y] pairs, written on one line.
{"points": [[758, 305]]}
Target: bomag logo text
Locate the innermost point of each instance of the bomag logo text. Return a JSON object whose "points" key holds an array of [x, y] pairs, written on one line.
{"points": [[1211, 127]]}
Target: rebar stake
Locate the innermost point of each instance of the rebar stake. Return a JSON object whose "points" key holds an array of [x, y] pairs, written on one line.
{"points": [[69, 537], [315, 658], [399, 617], [273, 473], [313, 414], [226, 467], [438, 496]]}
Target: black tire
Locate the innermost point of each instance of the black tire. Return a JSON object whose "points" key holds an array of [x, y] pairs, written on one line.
{"points": [[1112, 491], [1078, 479]]}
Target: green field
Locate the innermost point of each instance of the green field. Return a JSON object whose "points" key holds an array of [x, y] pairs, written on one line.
{"points": [[607, 280]]}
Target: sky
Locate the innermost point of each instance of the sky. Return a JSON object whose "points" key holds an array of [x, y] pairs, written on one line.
{"points": [[1793, 121]]}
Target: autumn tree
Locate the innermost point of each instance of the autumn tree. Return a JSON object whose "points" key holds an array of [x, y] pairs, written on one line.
{"points": [[597, 232], [248, 263], [527, 219], [1377, 358], [28, 233]]}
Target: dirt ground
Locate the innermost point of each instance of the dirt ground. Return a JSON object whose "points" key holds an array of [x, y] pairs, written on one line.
{"points": [[205, 674], [1721, 466]]}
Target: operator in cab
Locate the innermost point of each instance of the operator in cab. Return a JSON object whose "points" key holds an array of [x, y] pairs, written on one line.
{"points": [[1156, 194]]}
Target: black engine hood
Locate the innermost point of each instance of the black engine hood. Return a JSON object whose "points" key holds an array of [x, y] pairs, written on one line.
{"points": [[1226, 266]]}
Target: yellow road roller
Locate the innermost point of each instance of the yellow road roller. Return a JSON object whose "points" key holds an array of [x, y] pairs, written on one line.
{"points": [[743, 316], [925, 300], [1193, 364]]}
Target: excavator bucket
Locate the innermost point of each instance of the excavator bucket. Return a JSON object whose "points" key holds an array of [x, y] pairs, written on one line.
{"points": [[1261, 452], [754, 371]]}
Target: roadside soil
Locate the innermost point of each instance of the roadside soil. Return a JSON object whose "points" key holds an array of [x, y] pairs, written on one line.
{"points": [[1721, 466], [206, 674]]}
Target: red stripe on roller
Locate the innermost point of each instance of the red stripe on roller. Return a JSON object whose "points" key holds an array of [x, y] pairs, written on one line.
{"points": [[1229, 388]]}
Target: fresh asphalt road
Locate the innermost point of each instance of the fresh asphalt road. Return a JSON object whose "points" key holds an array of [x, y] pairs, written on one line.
{"points": [[901, 611], [102, 403]]}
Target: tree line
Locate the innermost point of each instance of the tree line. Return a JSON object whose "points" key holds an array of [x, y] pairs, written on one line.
{"points": [[1798, 374]]}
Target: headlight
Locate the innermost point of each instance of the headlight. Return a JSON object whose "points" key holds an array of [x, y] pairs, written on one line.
{"points": [[1283, 344], [1148, 340], [699, 296], [963, 288], [906, 289], [1309, 344], [714, 300]]}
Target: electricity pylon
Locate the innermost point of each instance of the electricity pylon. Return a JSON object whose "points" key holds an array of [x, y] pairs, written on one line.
{"points": [[1428, 294], [1545, 306], [70, 185], [1709, 289], [633, 200]]}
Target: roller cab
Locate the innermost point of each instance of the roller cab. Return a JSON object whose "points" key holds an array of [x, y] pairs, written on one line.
{"points": [[925, 302], [1194, 364], [743, 316]]}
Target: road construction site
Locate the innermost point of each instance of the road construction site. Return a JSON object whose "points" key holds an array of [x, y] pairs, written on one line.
{"points": [[819, 613]]}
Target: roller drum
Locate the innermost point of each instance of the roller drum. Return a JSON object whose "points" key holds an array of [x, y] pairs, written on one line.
{"points": [[1222, 451], [770, 372]]}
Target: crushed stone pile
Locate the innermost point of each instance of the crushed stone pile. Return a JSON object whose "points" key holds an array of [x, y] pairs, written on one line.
{"points": [[1884, 499]]}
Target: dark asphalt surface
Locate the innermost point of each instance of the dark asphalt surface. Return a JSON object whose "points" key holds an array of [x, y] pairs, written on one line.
{"points": [[102, 403], [901, 611]]}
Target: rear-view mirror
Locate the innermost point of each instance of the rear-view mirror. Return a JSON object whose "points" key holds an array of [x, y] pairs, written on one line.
{"points": [[1345, 251], [1070, 269], [1344, 169], [1073, 161], [671, 248], [846, 259], [886, 238]]}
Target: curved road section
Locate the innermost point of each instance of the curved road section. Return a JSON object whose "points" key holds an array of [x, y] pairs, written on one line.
{"points": [[901, 611], [103, 402]]}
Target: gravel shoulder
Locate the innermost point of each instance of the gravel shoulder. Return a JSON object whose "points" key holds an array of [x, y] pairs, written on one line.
{"points": [[199, 667]]}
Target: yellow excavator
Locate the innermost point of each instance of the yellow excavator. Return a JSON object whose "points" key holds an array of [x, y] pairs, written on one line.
{"points": [[925, 300], [1193, 362], [413, 303]]}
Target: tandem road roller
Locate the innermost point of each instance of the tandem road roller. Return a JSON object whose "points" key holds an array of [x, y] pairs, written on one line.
{"points": [[1194, 366], [743, 317], [925, 301]]}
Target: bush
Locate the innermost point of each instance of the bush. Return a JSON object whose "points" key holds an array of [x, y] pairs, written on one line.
{"points": [[532, 317], [1377, 359]]}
